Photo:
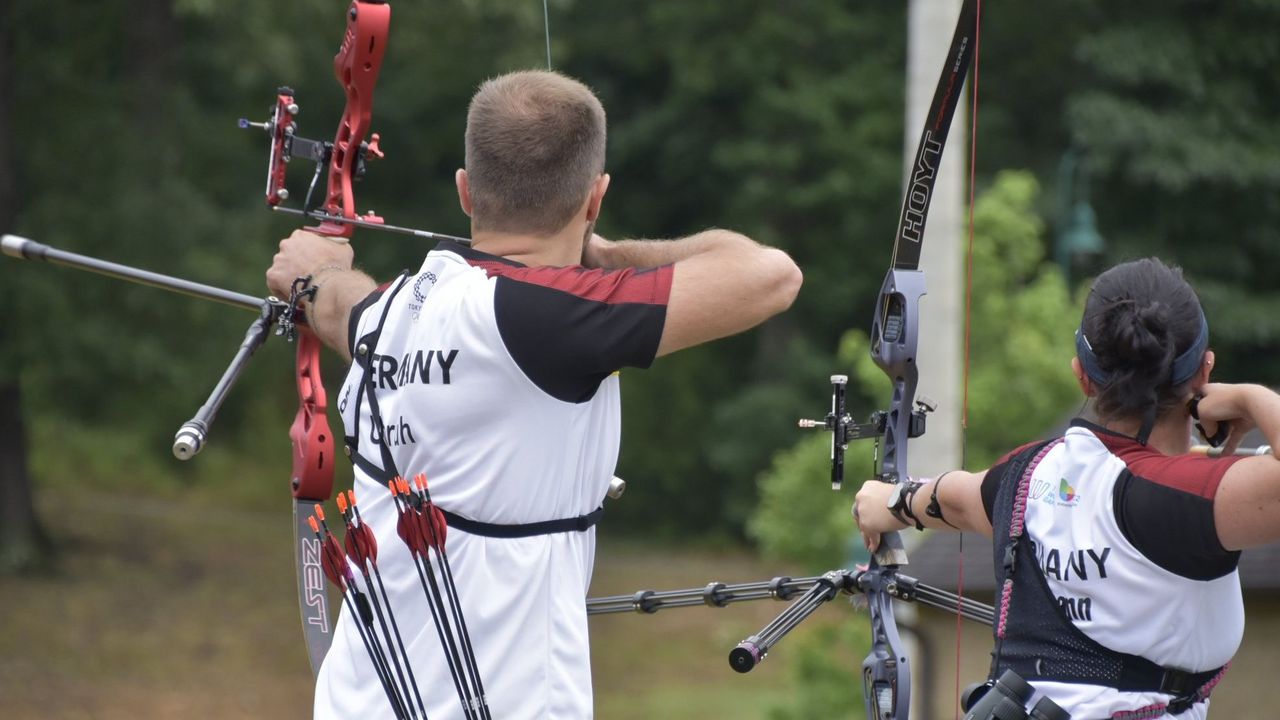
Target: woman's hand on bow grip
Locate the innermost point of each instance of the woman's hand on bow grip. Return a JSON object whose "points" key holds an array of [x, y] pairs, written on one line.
{"points": [[871, 512]]}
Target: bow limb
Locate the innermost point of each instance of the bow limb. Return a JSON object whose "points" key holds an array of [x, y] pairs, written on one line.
{"points": [[894, 348], [312, 484]]}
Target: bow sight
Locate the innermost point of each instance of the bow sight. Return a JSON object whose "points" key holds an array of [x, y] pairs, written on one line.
{"points": [[287, 144], [843, 430]]}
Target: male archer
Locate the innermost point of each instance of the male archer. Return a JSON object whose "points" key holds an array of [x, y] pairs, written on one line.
{"points": [[493, 370]]}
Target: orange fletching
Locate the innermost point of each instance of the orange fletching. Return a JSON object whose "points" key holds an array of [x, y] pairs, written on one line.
{"points": [[320, 512], [315, 526], [342, 503]]}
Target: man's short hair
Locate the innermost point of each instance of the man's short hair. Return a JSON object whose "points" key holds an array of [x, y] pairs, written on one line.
{"points": [[535, 142]]}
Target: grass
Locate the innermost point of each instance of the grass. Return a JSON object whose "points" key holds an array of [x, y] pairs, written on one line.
{"points": [[175, 606]]}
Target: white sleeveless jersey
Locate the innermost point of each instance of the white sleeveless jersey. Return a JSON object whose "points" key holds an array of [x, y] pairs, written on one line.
{"points": [[497, 381], [1179, 615]]}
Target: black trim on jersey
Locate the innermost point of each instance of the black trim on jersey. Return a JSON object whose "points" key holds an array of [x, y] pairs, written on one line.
{"points": [[567, 345], [1172, 528], [991, 483], [387, 471], [1045, 644], [1175, 530]]}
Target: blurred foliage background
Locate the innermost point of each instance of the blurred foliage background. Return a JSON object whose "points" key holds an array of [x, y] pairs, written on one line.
{"points": [[779, 119]]}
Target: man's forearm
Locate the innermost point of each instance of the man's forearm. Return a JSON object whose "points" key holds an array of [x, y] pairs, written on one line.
{"points": [[337, 292], [652, 253]]}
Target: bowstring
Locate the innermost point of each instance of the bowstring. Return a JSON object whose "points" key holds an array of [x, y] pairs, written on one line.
{"points": [[546, 24], [968, 320]]}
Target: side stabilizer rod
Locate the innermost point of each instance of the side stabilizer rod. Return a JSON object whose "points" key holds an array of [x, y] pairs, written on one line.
{"points": [[807, 593]]}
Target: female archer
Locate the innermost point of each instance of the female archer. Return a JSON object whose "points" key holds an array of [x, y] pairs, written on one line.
{"points": [[1115, 549]]}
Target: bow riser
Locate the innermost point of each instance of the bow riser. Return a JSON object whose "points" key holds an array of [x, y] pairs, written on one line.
{"points": [[356, 67], [894, 336], [886, 671]]}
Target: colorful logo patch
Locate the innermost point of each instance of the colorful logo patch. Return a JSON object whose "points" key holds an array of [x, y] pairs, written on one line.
{"points": [[1067, 494]]}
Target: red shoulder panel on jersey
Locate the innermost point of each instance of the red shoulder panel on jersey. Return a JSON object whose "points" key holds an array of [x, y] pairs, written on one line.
{"points": [[1005, 458], [1193, 474], [649, 286]]}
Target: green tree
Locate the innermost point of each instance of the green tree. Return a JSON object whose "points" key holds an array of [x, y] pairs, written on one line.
{"points": [[1178, 120], [782, 121]]}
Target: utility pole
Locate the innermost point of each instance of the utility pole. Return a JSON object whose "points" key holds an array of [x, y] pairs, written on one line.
{"points": [[930, 24]]}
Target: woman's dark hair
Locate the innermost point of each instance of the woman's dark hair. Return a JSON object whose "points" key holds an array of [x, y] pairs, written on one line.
{"points": [[1140, 320]]}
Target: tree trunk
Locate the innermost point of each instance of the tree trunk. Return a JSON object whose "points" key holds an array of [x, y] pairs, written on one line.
{"points": [[24, 545]]}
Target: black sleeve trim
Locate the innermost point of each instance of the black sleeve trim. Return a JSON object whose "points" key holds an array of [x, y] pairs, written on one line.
{"points": [[990, 486], [1173, 529], [567, 344]]}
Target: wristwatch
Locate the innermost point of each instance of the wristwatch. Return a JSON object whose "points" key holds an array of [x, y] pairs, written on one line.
{"points": [[899, 502]]}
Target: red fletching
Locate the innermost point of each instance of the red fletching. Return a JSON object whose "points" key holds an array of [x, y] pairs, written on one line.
{"points": [[361, 544], [407, 527], [432, 525], [333, 561]]}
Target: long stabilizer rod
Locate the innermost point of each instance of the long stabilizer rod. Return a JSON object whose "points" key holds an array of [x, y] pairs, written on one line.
{"points": [[902, 587], [25, 249]]}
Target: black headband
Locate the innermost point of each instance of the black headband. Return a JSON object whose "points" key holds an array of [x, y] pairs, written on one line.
{"points": [[1184, 366]]}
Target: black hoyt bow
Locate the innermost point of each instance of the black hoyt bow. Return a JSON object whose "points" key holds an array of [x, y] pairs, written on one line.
{"points": [[886, 672], [894, 343]]}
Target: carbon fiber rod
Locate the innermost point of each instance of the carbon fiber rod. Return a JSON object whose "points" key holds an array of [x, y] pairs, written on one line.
{"points": [[905, 588], [817, 591], [714, 594], [24, 249]]}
